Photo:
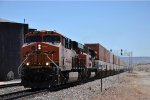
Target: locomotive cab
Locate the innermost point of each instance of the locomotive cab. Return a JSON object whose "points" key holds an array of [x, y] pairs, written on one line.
{"points": [[41, 59]]}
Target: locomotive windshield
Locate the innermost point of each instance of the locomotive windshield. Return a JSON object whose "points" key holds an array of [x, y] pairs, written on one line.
{"points": [[52, 39], [33, 39]]}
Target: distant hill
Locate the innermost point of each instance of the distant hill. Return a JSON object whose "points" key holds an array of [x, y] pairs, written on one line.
{"points": [[137, 60]]}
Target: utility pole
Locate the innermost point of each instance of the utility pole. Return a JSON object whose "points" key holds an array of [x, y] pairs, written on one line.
{"points": [[24, 20], [131, 62]]}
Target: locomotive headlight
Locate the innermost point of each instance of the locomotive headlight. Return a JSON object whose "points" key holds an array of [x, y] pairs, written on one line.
{"points": [[39, 46], [27, 63], [47, 63]]}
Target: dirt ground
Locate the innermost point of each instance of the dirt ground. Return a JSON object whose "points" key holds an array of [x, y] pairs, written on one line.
{"points": [[134, 86]]}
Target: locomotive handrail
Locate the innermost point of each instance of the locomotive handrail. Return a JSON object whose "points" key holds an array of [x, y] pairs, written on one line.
{"points": [[20, 67], [53, 63]]}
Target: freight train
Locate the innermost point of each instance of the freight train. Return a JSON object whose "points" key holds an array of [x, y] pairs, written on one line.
{"points": [[48, 57]]}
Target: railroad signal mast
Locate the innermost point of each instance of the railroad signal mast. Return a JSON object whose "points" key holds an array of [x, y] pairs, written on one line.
{"points": [[129, 54], [121, 51], [125, 53]]}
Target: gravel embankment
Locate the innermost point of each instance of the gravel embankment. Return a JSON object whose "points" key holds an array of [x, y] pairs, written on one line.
{"points": [[81, 92], [136, 86], [145, 68]]}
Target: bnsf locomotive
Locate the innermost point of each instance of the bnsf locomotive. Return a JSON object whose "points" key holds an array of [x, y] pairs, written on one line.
{"points": [[48, 58]]}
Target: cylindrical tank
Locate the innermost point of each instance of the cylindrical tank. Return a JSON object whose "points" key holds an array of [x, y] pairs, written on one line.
{"points": [[11, 40]]}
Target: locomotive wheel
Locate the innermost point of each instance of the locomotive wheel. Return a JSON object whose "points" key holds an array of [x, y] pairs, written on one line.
{"points": [[64, 77], [56, 81], [67, 76], [88, 74], [98, 74], [79, 76], [82, 75]]}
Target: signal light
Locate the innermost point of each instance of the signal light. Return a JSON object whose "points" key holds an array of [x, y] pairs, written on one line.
{"points": [[110, 50], [121, 52]]}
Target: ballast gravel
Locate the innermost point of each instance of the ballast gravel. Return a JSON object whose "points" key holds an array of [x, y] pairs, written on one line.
{"points": [[80, 92]]}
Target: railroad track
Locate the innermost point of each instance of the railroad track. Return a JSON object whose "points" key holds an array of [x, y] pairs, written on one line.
{"points": [[20, 94], [29, 92], [10, 85]]}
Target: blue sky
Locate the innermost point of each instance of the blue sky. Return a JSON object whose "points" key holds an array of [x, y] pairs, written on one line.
{"points": [[114, 24]]}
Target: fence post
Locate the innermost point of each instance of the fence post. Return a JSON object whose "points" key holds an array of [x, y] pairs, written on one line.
{"points": [[101, 79]]}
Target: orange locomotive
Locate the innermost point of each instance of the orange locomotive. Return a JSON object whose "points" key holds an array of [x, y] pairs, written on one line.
{"points": [[49, 57]]}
